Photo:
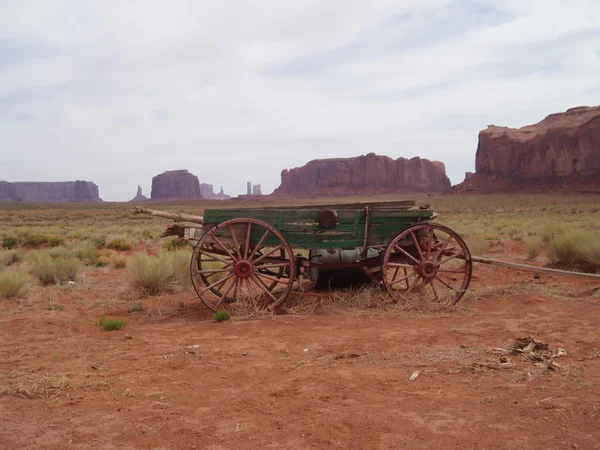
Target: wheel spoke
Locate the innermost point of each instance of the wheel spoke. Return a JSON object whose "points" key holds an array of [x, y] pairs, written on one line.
{"points": [[278, 280], [235, 242], [279, 247], [262, 286], [406, 253], [455, 255], [213, 257], [213, 271], [452, 271], [225, 294], [434, 291], [398, 265], [445, 284], [414, 238], [403, 278], [429, 241], [225, 249], [258, 246], [216, 283], [247, 241]]}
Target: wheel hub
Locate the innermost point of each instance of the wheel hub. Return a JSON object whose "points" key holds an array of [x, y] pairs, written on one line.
{"points": [[427, 270], [243, 269]]}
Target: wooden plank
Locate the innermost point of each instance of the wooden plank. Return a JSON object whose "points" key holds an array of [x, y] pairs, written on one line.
{"points": [[527, 268]]}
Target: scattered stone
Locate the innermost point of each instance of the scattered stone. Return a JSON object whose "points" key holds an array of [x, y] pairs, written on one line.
{"points": [[414, 375], [128, 336]]}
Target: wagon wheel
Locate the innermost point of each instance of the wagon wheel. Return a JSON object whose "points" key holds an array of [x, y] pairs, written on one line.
{"points": [[427, 261], [242, 259]]}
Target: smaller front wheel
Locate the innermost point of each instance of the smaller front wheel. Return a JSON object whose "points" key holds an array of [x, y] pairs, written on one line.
{"points": [[427, 262]]}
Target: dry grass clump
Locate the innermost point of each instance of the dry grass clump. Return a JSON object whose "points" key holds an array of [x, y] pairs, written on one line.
{"points": [[155, 275], [575, 249], [118, 262], [13, 284], [34, 385], [57, 270], [87, 254], [533, 247], [10, 257]]}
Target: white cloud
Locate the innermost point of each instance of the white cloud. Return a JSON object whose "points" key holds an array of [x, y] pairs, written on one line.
{"points": [[116, 92]]}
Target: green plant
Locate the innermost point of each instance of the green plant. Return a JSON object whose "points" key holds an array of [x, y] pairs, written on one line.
{"points": [[119, 245], [221, 316], [58, 270], [9, 242], [112, 324], [12, 284], [34, 241], [55, 241], [56, 307]]}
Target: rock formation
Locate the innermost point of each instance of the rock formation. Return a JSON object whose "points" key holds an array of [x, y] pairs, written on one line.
{"points": [[50, 191], [256, 189], [175, 185], [560, 152], [365, 174], [208, 193], [139, 197]]}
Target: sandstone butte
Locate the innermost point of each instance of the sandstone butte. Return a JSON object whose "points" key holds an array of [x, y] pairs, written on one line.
{"points": [[560, 152], [175, 185], [207, 191], [49, 191], [366, 174]]}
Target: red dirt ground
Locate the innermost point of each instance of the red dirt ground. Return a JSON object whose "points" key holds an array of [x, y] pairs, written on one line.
{"points": [[321, 381]]}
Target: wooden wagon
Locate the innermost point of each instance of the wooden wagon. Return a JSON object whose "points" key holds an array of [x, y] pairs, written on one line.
{"points": [[260, 253]]}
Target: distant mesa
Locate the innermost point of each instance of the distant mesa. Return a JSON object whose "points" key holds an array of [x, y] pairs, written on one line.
{"points": [[366, 174], [49, 191], [562, 152], [139, 197], [206, 190], [175, 185]]}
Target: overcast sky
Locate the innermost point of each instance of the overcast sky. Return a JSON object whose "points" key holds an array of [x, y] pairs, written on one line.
{"points": [[116, 92]]}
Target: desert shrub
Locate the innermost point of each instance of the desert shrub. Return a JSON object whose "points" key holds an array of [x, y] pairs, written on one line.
{"points": [[56, 307], [533, 247], [575, 249], [87, 254], [99, 242], [163, 273], [50, 271], [8, 258], [120, 245], [34, 241], [13, 284], [118, 262], [9, 242], [60, 252], [176, 244], [55, 241], [550, 231], [112, 324]]}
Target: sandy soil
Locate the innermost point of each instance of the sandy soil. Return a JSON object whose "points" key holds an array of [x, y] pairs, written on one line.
{"points": [[321, 381]]}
